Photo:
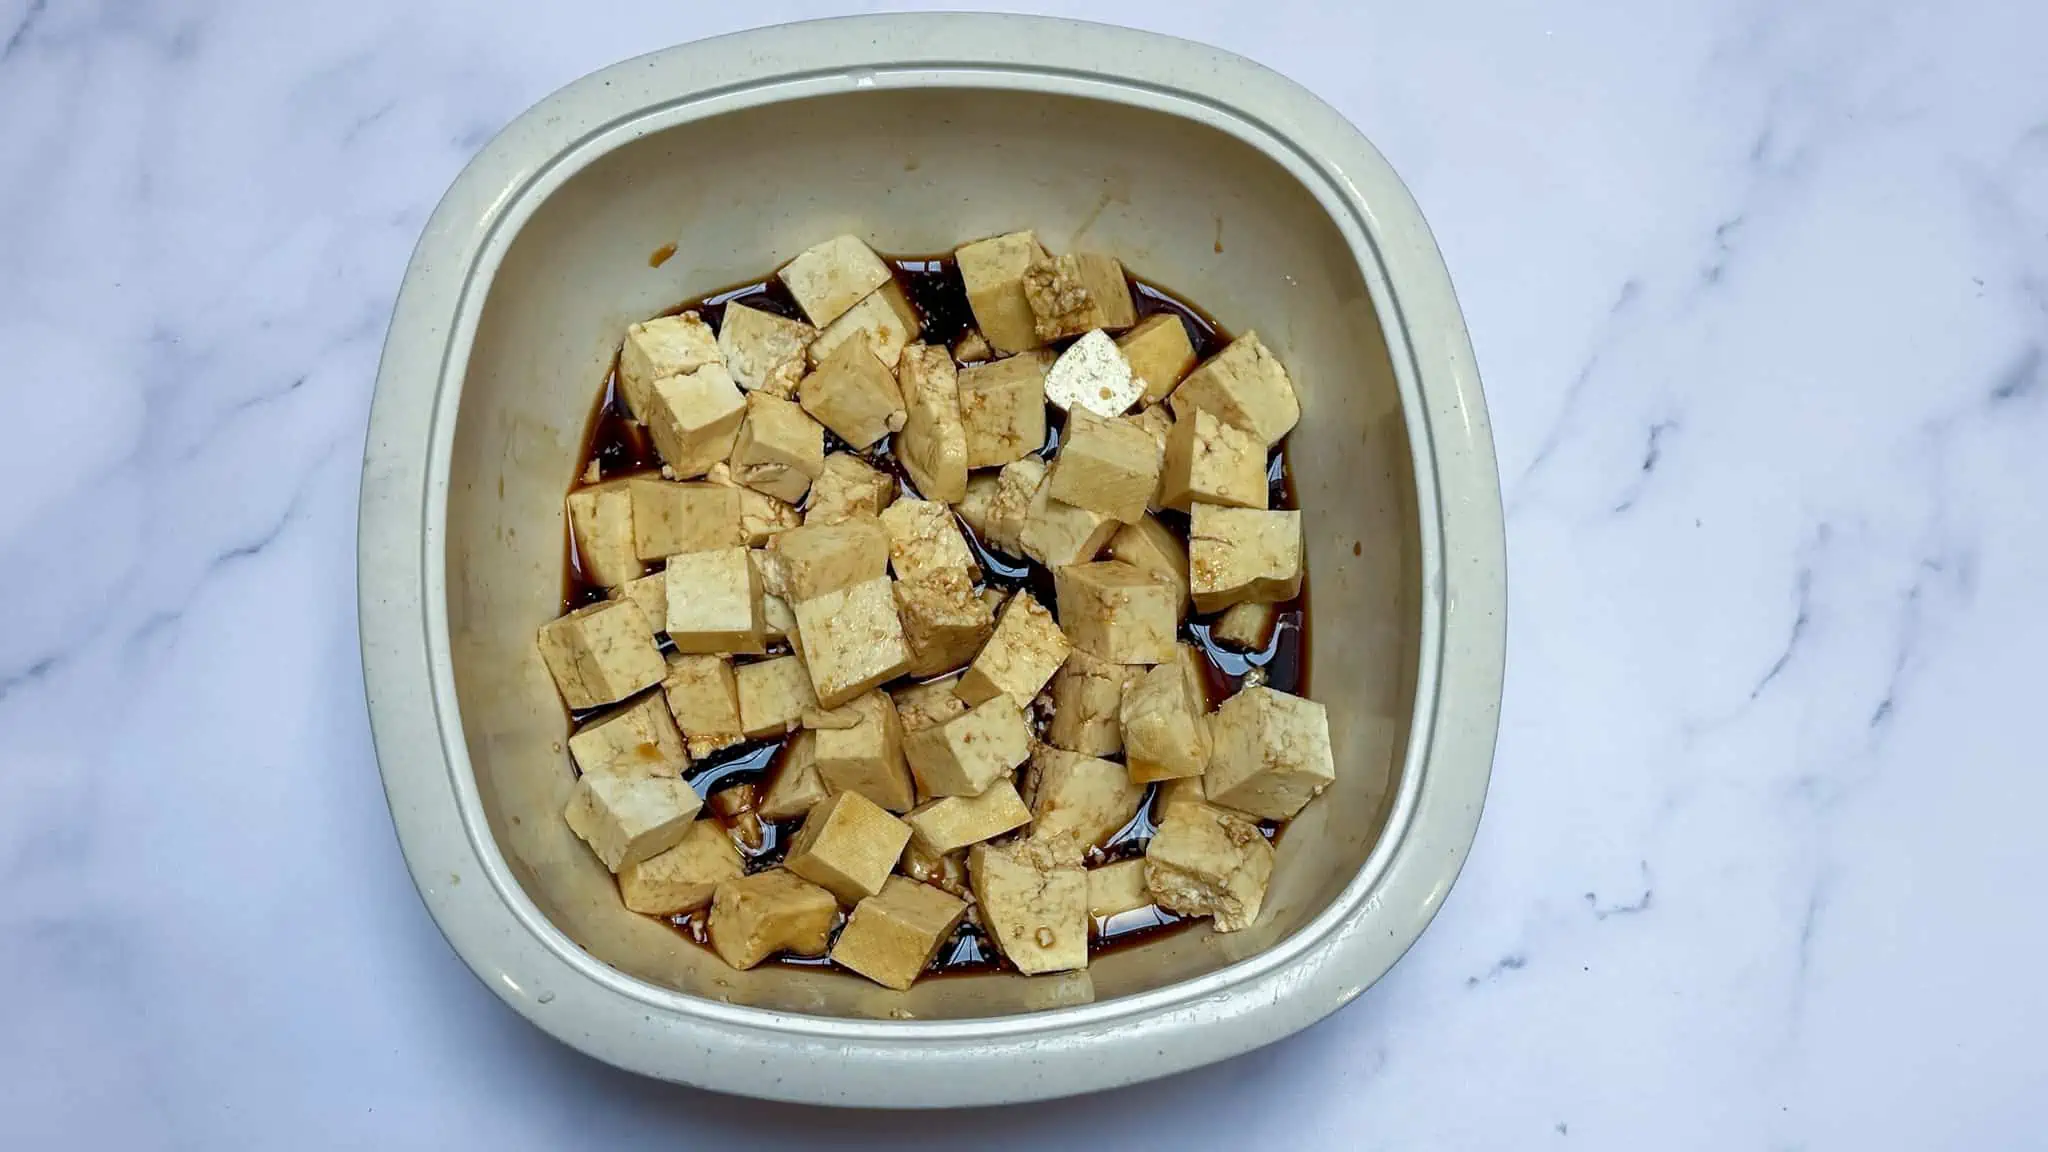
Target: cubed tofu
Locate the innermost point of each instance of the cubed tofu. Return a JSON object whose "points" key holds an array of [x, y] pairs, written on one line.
{"points": [[1152, 546], [627, 818], [852, 640], [1174, 794], [1108, 466], [1159, 354], [883, 318], [659, 348], [1087, 703], [894, 935], [762, 517], [1242, 555], [854, 394], [996, 506], [848, 845], [1206, 862], [848, 487], [1073, 293], [1271, 754], [670, 518], [639, 738], [1002, 408], [650, 592], [923, 537], [1082, 798], [830, 278], [601, 653], [947, 871], [796, 787], [1057, 533], [1157, 421], [1091, 375], [1034, 904], [1023, 653], [1245, 626], [944, 622], [954, 822], [820, 558], [704, 697], [1118, 611], [933, 445], [778, 620], [754, 917], [683, 878], [779, 450], [1166, 731], [714, 602], [1118, 888], [921, 706], [694, 419], [764, 352], [993, 272], [1246, 386], [859, 748], [972, 347], [774, 694], [969, 753], [601, 521], [1212, 462]]}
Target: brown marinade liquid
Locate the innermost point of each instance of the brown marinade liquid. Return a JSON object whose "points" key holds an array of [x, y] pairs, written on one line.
{"points": [[620, 447]]}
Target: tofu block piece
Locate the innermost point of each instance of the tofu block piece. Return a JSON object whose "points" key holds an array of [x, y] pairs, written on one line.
{"points": [[933, 444], [820, 558], [848, 487], [947, 871], [1057, 533], [859, 748], [966, 755], [944, 622], [779, 450], [601, 653], [601, 522], [1118, 887], [848, 845], [996, 506], [1213, 462], [972, 347], [1093, 376], [1034, 904], [1205, 862], [754, 917], [762, 517], [1176, 794], [921, 706], [1166, 734], [763, 352], [1026, 649], [774, 694], [1073, 293], [993, 272], [1244, 385], [683, 878], [1245, 626], [954, 822], [1087, 704], [649, 592], [694, 419], [1152, 546], [1157, 421], [704, 697], [714, 602], [671, 518], [796, 787], [659, 348], [627, 818], [640, 738], [852, 640], [1002, 408], [1159, 354], [1081, 798], [924, 538], [894, 935], [883, 318], [1118, 611], [778, 619], [854, 394], [830, 278], [1272, 754], [1240, 555], [1107, 466]]}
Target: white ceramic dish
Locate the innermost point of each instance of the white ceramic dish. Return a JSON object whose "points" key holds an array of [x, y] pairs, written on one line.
{"points": [[1205, 173]]}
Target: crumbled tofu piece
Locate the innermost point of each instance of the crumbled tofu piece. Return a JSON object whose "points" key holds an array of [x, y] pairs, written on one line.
{"points": [[922, 706], [1236, 555], [1247, 626], [1087, 702], [1244, 385], [694, 419], [1175, 794], [1073, 293], [683, 878], [796, 787], [1026, 649], [1107, 466], [756, 916], [969, 753], [1152, 546], [1159, 354], [854, 394], [947, 871], [859, 748], [829, 278], [627, 818], [671, 518], [893, 936], [1272, 754], [972, 347], [1092, 375], [954, 822], [1166, 731], [659, 348], [993, 272], [601, 653], [650, 592], [820, 558], [848, 845], [1034, 905], [773, 696], [704, 697], [1080, 797], [601, 521], [883, 318], [852, 640], [639, 738], [714, 602], [1118, 611], [778, 620], [779, 450], [944, 622], [1205, 862], [762, 517], [1213, 462], [763, 352], [933, 445], [1002, 408], [923, 537], [996, 506], [849, 486], [1118, 887], [1057, 533]]}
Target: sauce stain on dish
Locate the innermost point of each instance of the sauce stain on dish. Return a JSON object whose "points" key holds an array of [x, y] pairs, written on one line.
{"points": [[659, 256]]}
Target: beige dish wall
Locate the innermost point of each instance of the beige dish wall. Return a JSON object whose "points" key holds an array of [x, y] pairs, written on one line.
{"points": [[912, 172]]}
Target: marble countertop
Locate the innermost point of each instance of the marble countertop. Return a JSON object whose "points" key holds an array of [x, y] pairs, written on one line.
{"points": [[1760, 297]]}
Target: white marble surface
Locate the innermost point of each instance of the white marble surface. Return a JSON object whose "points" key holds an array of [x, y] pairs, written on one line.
{"points": [[1760, 293]]}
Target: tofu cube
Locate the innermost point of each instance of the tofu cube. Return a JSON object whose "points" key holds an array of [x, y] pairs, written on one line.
{"points": [[754, 917], [921, 706], [601, 523], [1002, 409], [972, 347], [649, 592], [883, 319], [683, 878], [894, 935], [954, 822], [774, 694], [796, 787], [996, 506], [933, 445], [993, 272], [854, 394], [1245, 626], [1080, 797], [830, 278], [1092, 376], [764, 352], [694, 419], [1241, 555], [1176, 794], [1157, 422], [659, 348], [762, 517], [1271, 756], [1073, 293], [778, 619], [704, 698], [1117, 888], [1087, 702], [1107, 466], [852, 640], [1118, 611], [848, 845], [1159, 353], [714, 602], [1025, 650], [779, 450], [1205, 862], [1057, 533], [848, 487], [1166, 731], [671, 518], [601, 653], [1034, 905], [947, 872], [637, 739], [944, 622], [627, 818], [1212, 462], [1244, 385], [820, 558], [1153, 547], [859, 748], [923, 537], [966, 755]]}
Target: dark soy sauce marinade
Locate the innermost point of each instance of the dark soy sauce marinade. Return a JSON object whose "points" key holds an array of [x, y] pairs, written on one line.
{"points": [[619, 447]]}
